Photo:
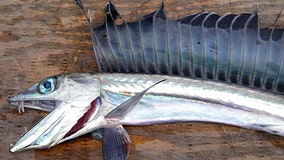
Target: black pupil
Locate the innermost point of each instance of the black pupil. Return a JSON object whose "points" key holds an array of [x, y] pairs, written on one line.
{"points": [[47, 85]]}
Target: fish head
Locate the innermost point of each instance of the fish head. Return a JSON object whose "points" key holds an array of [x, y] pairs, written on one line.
{"points": [[74, 100], [52, 91]]}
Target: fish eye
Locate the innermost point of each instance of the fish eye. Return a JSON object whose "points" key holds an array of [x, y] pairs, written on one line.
{"points": [[47, 85]]}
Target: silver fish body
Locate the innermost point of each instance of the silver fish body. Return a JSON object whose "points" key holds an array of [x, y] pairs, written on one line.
{"points": [[182, 99], [176, 99]]}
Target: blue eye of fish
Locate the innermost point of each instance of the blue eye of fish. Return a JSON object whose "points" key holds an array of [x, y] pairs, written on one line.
{"points": [[47, 85]]}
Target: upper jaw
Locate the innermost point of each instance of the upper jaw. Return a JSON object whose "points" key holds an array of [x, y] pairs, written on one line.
{"points": [[42, 104], [32, 99]]}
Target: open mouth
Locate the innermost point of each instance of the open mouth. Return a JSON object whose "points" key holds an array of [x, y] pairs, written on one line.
{"points": [[61, 124], [43, 105]]}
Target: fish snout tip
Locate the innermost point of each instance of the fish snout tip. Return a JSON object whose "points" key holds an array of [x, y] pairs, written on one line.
{"points": [[15, 99], [17, 148], [13, 149], [10, 99]]}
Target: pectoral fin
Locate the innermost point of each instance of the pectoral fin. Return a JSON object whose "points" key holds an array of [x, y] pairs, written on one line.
{"points": [[116, 143], [128, 105]]}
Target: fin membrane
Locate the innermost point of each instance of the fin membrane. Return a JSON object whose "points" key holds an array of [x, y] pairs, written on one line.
{"points": [[116, 143], [230, 48]]}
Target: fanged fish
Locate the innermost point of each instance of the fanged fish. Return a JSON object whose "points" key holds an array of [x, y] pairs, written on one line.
{"points": [[202, 68]]}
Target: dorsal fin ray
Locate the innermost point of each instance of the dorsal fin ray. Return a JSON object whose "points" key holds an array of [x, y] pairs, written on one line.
{"points": [[155, 45]]}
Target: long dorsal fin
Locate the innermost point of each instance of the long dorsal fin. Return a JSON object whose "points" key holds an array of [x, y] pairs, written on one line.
{"points": [[230, 48]]}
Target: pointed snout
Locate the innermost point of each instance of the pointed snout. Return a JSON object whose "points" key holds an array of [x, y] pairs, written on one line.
{"points": [[15, 149], [30, 93], [18, 97]]}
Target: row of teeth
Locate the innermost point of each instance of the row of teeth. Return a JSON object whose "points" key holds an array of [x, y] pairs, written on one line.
{"points": [[21, 105]]}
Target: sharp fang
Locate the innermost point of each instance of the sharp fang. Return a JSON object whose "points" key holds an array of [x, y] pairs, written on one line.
{"points": [[21, 107]]}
